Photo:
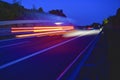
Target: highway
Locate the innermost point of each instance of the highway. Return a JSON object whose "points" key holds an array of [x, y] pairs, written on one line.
{"points": [[40, 58]]}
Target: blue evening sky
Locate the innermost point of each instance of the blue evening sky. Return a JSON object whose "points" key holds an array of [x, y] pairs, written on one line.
{"points": [[83, 12]]}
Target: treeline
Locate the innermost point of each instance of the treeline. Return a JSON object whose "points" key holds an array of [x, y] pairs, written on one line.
{"points": [[10, 11], [57, 12], [15, 11], [114, 21]]}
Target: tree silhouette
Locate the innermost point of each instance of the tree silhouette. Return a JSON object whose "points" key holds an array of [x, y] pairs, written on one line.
{"points": [[16, 11], [118, 13], [114, 21], [96, 25], [10, 11], [40, 9], [57, 12]]}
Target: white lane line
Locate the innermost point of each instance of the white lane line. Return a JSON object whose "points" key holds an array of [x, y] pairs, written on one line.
{"points": [[70, 65], [15, 39], [13, 44], [34, 54], [10, 39], [77, 69]]}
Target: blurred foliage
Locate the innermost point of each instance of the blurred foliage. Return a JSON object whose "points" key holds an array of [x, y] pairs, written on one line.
{"points": [[15, 11], [40, 9], [10, 11], [96, 25], [105, 21], [114, 21]]}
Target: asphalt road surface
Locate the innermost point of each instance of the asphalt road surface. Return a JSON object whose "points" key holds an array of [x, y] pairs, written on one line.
{"points": [[39, 58]]}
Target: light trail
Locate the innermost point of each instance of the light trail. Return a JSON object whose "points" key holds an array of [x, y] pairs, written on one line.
{"points": [[81, 33], [41, 31], [40, 28], [41, 34], [15, 31]]}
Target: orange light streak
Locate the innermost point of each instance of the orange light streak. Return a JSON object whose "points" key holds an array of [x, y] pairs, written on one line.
{"points": [[15, 28], [41, 34], [41, 29], [14, 31]]}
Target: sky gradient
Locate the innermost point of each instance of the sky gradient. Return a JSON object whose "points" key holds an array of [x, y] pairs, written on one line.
{"points": [[83, 12]]}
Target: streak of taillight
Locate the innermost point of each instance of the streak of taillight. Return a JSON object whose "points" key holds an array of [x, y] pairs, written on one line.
{"points": [[42, 29], [14, 31], [16, 28], [40, 34]]}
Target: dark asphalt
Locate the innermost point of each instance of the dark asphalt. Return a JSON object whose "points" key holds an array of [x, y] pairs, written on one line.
{"points": [[97, 66], [26, 46], [112, 36], [46, 66]]}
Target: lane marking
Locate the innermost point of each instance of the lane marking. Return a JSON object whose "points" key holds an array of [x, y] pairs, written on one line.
{"points": [[15, 39], [13, 44], [34, 54], [70, 65], [10, 39], [79, 66]]}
